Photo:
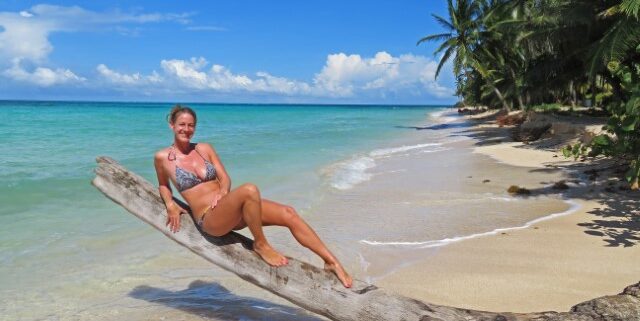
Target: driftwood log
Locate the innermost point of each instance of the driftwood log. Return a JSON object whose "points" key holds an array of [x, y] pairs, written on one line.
{"points": [[313, 288]]}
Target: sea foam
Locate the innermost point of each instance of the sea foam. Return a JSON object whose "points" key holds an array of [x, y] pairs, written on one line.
{"points": [[346, 174], [445, 116], [446, 241]]}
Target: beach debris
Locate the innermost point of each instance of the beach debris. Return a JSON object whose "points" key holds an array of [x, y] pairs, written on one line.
{"points": [[313, 288], [510, 119], [472, 111], [532, 128], [517, 190], [486, 181], [560, 185], [529, 132]]}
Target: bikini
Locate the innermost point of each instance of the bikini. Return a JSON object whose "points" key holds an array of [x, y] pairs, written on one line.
{"points": [[186, 180]]}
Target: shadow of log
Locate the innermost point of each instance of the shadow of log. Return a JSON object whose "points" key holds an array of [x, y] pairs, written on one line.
{"points": [[212, 300]]}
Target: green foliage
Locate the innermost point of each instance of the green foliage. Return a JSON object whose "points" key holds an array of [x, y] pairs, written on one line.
{"points": [[546, 53], [631, 8], [622, 137]]}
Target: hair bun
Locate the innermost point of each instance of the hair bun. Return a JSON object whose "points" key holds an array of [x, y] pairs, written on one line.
{"points": [[179, 109]]}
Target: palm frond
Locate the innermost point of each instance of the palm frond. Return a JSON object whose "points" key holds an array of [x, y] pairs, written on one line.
{"points": [[450, 43], [616, 44], [443, 60], [444, 23], [437, 37], [631, 8]]}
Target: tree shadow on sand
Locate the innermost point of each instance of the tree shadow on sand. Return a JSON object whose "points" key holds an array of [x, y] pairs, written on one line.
{"points": [[617, 219], [211, 300]]}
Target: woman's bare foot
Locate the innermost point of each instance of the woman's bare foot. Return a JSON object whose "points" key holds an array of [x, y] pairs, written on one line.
{"points": [[339, 271], [269, 255]]}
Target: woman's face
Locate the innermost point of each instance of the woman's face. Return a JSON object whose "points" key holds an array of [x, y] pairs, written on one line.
{"points": [[184, 127]]}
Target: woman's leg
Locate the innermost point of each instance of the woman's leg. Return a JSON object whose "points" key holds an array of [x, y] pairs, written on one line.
{"points": [[282, 215], [243, 204]]}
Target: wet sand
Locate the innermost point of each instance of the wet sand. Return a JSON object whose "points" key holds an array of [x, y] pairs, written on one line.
{"points": [[550, 265]]}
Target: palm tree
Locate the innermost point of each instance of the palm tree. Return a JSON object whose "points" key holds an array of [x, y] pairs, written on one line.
{"points": [[460, 39], [621, 39], [460, 42]]}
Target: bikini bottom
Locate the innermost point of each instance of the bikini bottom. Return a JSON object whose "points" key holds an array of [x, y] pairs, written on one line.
{"points": [[214, 203]]}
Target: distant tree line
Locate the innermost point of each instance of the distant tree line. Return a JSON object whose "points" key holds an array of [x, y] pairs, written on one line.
{"points": [[516, 54]]}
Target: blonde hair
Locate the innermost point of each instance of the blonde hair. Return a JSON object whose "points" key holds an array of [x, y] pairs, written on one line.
{"points": [[179, 109]]}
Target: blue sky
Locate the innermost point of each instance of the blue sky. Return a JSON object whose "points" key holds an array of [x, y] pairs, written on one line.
{"points": [[222, 51]]}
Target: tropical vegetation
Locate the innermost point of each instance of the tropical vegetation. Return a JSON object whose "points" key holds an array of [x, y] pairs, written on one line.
{"points": [[513, 54]]}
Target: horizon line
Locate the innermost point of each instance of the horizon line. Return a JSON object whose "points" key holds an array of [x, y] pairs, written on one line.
{"points": [[222, 103]]}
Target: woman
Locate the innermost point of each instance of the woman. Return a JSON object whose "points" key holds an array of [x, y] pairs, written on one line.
{"points": [[196, 171]]}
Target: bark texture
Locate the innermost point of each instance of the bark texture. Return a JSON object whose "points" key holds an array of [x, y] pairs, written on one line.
{"points": [[313, 288]]}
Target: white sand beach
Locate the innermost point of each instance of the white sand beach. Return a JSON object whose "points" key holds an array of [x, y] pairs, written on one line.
{"points": [[550, 265]]}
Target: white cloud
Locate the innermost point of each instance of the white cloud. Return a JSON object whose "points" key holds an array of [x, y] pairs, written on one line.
{"points": [[44, 77], [24, 41], [75, 16], [187, 73], [343, 76], [192, 74], [347, 75], [25, 35], [23, 38], [281, 85], [135, 79]]}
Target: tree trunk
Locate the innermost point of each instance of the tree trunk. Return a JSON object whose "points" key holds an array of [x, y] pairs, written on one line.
{"points": [[518, 89], [593, 91], [521, 102], [499, 94], [311, 287], [574, 98]]}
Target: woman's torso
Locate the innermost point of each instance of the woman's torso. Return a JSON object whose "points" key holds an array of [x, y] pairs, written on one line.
{"points": [[194, 176]]}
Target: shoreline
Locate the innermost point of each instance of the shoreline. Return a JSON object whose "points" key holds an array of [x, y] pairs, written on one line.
{"points": [[552, 263], [574, 207]]}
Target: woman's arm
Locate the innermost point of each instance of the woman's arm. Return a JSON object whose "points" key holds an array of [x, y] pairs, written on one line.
{"points": [[221, 173], [173, 209]]}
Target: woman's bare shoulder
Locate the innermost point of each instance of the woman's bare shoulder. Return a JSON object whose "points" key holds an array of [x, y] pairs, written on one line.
{"points": [[162, 154]]}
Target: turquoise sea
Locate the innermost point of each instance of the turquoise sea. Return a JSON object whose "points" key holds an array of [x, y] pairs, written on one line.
{"points": [[69, 253], [55, 222]]}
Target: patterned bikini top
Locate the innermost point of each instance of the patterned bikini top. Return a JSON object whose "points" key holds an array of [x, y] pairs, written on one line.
{"points": [[186, 180]]}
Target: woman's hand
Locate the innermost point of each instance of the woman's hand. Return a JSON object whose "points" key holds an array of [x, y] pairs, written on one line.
{"points": [[173, 216]]}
